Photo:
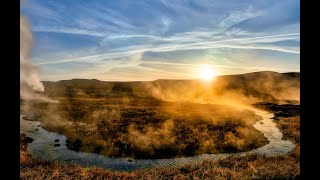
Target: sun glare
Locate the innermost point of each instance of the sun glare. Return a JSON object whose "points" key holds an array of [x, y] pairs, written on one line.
{"points": [[207, 73]]}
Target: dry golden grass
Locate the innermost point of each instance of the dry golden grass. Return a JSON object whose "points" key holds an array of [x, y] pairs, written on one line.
{"points": [[233, 167], [249, 167], [137, 127], [291, 127]]}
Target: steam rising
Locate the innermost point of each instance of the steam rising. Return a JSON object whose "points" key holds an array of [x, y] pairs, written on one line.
{"points": [[29, 71], [164, 118], [235, 90], [30, 84], [153, 117]]}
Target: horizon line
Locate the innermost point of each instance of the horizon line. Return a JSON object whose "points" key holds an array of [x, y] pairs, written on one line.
{"points": [[169, 79]]}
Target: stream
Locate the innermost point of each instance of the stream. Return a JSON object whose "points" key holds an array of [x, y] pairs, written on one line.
{"points": [[43, 148]]}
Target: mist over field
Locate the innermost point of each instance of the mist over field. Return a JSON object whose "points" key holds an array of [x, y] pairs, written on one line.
{"points": [[245, 88], [160, 89], [162, 118]]}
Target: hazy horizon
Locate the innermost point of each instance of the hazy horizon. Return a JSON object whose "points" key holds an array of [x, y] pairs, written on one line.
{"points": [[196, 78]]}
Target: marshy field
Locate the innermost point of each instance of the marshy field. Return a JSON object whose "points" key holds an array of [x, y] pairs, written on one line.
{"points": [[148, 128], [142, 120], [161, 89]]}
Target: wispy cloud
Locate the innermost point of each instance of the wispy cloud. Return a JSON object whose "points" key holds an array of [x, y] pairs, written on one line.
{"points": [[204, 65], [118, 30], [199, 45], [68, 31]]}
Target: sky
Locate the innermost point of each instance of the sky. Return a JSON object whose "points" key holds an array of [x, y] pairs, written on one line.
{"points": [[126, 40]]}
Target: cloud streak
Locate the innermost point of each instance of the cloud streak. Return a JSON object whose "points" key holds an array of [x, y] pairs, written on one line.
{"points": [[104, 35], [208, 45]]}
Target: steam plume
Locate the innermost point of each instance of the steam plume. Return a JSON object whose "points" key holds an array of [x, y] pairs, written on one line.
{"points": [[30, 84]]}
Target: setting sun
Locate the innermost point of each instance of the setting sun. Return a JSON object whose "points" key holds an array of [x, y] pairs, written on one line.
{"points": [[162, 89], [207, 73]]}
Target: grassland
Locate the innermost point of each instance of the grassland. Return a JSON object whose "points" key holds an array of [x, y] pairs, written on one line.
{"points": [[149, 128], [233, 167], [101, 117]]}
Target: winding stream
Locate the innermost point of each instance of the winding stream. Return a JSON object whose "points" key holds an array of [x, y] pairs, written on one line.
{"points": [[43, 141]]}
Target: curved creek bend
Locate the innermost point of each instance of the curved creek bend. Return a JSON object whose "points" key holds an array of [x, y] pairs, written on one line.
{"points": [[43, 141]]}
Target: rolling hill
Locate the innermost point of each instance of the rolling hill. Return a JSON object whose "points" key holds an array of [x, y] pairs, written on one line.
{"points": [[264, 86]]}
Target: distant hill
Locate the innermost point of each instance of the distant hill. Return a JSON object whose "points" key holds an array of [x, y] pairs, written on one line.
{"points": [[260, 86]]}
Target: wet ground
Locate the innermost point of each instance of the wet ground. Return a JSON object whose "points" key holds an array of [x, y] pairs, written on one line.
{"points": [[52, 146]]}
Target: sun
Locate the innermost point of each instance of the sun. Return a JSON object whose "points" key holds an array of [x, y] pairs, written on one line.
{"points": [[207, 73]]}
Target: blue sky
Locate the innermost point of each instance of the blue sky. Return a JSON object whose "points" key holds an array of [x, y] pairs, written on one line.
{"points": [[126, 40]]}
